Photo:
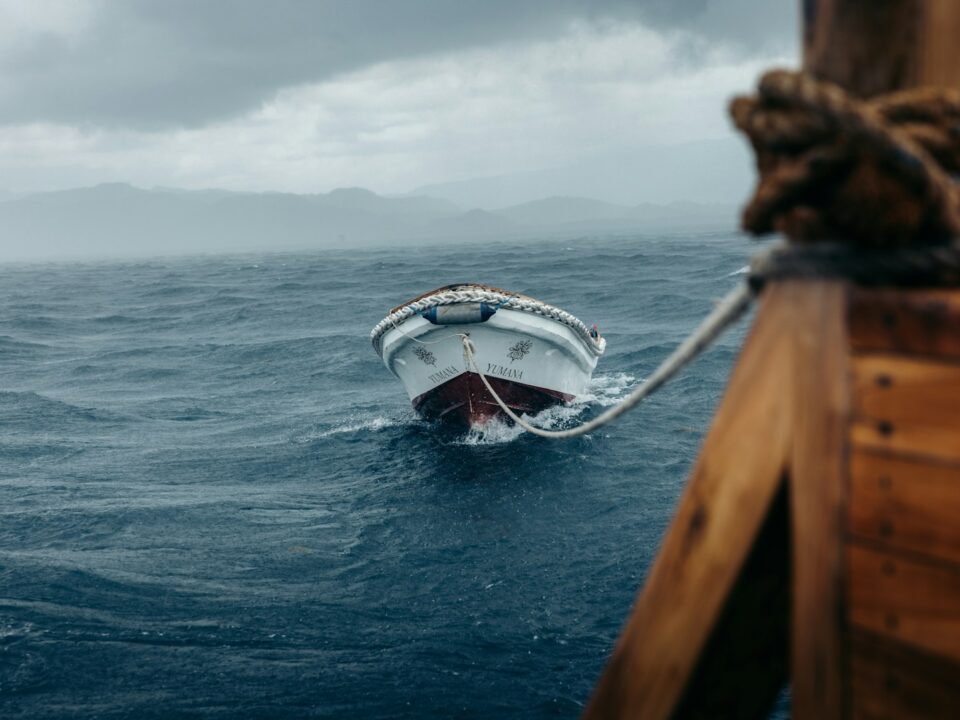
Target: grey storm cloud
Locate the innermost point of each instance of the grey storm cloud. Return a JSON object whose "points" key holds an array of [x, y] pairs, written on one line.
{"points": [[154, 64]]}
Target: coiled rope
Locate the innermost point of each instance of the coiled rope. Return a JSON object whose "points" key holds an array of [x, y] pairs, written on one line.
{"points": [[874, 173], [479, 295]]}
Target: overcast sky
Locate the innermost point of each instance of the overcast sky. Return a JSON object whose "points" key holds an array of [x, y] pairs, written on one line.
{"points": [[306, 96]]}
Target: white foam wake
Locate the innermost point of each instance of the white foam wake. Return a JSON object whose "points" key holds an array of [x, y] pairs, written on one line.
{"points": [[607, 390], [604, 390], [371, 424], [495, 431]]}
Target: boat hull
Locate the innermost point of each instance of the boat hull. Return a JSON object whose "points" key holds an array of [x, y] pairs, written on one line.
{"points": [[531, 361], [465, 400]]}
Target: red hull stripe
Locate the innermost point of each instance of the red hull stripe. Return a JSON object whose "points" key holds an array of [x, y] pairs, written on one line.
{"points": [[464, 399]]}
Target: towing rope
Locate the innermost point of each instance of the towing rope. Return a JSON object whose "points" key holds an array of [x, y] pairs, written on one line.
{"points": [[727, 312], [875, 172], [926, 266]]}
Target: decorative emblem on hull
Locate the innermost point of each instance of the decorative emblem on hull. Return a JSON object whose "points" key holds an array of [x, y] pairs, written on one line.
{"points": [[520, 350], [427, 357]]}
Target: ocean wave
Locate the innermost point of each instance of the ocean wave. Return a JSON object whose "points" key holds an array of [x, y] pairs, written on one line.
{"points": [[30, 409], [289, 286], [307, 496], [166, 290], [115, 319], [10, 344], [608, 389], [179, 409], [35, 322], [273, 349], [15, 631], [372, 424]]}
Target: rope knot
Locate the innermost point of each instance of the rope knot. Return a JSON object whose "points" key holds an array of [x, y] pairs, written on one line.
{"points": [[875, 173]]}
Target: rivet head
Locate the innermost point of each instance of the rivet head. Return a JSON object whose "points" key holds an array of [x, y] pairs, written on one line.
{"points": [[885, 427], [884, 381]]}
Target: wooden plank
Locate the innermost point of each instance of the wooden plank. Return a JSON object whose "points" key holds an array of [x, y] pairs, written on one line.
{"points": [[719, 517], [738, 679], [891, 681], [907, 405], [940, 56], [865, 46], [906, 503], [871, 47], [901, 597], [914, 322], [818, 499]]}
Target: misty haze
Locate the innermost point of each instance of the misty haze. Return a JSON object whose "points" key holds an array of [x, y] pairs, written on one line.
{"points": [[257, 128], [231, 477]]}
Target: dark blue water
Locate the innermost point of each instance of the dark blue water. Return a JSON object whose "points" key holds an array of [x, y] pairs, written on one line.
{"points": [[215, 502]]}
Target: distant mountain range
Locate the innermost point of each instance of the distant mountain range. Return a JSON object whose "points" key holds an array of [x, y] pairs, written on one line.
{"points": [[119, 219], [709, 171]]}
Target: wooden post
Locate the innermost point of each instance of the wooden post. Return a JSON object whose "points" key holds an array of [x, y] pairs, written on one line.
{"points": [[903, 517], [818, 501], [843, 415], [870, 47]]}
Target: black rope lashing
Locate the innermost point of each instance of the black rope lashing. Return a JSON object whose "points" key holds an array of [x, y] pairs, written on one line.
{"points": [[921, 266], [873, 173]]}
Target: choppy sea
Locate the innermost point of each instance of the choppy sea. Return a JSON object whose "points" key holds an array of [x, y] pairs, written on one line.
{"points": [[215, 502]]}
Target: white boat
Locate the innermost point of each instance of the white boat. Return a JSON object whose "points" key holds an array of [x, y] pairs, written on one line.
{"points": [[533, 354]]}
